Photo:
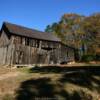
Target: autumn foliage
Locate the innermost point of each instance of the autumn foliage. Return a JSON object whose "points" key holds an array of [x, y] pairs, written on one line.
{"points": [[82, 32]]}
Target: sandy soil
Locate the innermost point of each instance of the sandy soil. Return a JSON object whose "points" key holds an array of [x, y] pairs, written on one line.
{"points": [[9, 75]]}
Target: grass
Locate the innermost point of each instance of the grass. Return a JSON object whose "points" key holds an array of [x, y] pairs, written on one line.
{"points": [[24, 70], [58, 83]]}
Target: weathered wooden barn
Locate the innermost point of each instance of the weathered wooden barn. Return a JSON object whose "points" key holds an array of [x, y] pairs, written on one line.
{"points": [[21, 45]]}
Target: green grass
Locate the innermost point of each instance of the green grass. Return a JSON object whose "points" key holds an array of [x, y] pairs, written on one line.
{"points": [[72, 85], [24, 70]]}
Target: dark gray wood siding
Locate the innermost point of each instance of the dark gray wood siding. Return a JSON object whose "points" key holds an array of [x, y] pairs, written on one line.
{"points": [[24, 50]]}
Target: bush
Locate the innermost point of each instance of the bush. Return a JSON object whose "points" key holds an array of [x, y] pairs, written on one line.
{"points": [[97, 57], [87, 58]]}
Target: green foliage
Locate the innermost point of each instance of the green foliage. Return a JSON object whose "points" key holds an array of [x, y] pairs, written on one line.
{"points": [[65, 29], [88, 58], [48, 29], [24, 70], [97, 57], [76, 30]]}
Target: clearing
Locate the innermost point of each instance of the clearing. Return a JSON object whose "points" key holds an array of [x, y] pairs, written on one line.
{"points": [[50, 83]]}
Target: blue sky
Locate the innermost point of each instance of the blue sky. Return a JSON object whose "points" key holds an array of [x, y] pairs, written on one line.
{"points": [[38, 14]]}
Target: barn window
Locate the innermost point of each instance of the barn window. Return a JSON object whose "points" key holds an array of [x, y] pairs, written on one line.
{"points": [[34, 43], [21, 40], [26, 41], [37, 43]]}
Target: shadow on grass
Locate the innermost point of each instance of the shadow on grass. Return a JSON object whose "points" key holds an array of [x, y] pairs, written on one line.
{"points": [[42, 89], [56, 69], [87, 78], [46, 89], [39, 88]]}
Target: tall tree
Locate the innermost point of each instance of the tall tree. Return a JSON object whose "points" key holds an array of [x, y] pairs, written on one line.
{"points": [[78, 31]]}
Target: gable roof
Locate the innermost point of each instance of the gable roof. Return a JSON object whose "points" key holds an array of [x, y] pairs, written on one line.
{"points": [[31, 33]]}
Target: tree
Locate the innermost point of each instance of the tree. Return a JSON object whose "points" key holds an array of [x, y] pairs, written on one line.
{"points": [[48, 29], [79, 31], [91, 26], [66, 28]]}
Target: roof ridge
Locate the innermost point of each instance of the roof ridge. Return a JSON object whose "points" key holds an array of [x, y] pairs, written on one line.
{"points": [[23, 31]]}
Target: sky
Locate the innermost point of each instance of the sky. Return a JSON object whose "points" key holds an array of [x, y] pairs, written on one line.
{"points": [[38, 14]]}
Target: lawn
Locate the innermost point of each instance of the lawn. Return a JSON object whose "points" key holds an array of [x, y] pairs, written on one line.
{"points": [[50, 83]]}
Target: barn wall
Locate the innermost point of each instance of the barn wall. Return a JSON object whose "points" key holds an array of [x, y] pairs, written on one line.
{"points": [[33, 54], [4, 39], [6, 54], [16, 51], [29, 55], [21, 54], [5, 49], [2, 55]]}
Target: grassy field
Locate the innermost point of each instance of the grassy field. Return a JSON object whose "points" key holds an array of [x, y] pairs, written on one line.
{"points": [[50, 83]]}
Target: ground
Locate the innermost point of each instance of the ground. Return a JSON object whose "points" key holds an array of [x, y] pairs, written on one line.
{"points": [[50, 83]]}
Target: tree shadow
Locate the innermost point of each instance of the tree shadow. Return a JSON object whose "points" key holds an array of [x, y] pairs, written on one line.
{"points": [[43, 89], [46, 89], [80, 95], [39, 88], [88, 78], [58, 69], [47, 69]]}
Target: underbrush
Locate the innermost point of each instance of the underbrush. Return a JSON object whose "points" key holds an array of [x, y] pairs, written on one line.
{"points": [[90, 57]]}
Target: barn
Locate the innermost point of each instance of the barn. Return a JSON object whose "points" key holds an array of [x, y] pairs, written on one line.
{"points": [[22, 45]]}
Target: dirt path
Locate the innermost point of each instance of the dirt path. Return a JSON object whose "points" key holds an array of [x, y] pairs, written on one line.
{"points": [[8, 75]]}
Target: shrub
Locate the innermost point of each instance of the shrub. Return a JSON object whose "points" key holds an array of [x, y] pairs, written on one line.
{"points": [[87, 58], [97, 57]]}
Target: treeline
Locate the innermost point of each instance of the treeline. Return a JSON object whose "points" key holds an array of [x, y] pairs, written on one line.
{"points": [[81, 32]]}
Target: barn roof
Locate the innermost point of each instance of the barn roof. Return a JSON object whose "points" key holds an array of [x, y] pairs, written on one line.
{"points": [[31, 33]]}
